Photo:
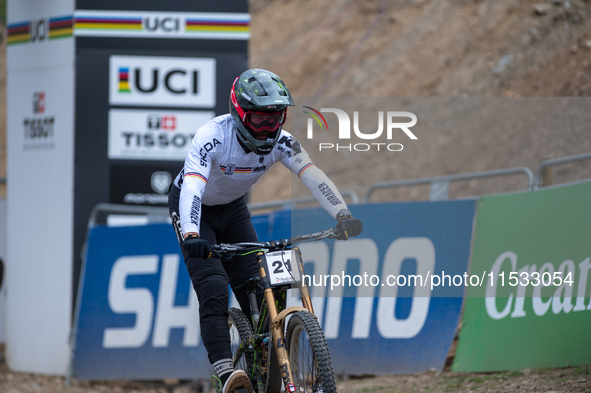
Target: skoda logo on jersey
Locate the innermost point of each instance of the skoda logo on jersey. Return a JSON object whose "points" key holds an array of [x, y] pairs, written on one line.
{"points": [[162, 81], [160, 181]]}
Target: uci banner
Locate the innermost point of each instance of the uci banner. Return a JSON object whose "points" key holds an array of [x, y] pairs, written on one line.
{"points": [[534, 312], [137, 315]]}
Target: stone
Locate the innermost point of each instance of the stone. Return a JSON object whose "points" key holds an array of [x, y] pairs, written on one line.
{"points": [[542, 8]]}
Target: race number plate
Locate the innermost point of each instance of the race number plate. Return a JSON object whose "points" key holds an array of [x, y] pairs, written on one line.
{"points": [[282, 268]]}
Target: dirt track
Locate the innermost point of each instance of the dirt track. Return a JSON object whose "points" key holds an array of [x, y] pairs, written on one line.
{"points": [[576, 379]]}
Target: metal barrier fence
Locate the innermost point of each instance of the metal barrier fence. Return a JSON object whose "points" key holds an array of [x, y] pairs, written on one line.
{"points": [[439, 191], [558, 161], [440, 184], [288, 203], [100, 213]]}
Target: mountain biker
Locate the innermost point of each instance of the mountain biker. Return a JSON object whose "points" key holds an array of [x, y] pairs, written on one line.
{"points": [[206, 201]]}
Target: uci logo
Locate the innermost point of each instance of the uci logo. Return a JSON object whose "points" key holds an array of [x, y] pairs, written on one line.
{"points": [[392, 123], [38, 30], [166, 25], [162, 81]]}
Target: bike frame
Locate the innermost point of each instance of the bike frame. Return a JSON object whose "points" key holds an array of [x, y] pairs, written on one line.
{"points": [[276, 319]]}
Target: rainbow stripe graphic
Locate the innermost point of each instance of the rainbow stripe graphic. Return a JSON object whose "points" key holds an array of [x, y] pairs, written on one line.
{"points": [[19, 33], [304, 169], [108, 23], [314, 116], [124, 80], [197, 175], [217, 25], [61, 27]]}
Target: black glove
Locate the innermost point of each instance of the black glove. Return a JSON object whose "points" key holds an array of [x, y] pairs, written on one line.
{"points": [[348, 226], [197, 247]]}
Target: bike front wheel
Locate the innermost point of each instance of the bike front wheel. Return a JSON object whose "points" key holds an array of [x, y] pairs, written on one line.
{"points": [[309, 356]]}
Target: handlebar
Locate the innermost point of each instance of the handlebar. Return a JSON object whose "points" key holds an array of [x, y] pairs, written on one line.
{"points": [[229, 251]]}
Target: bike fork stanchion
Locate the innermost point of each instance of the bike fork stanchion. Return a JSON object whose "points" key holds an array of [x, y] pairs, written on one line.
{"points": [[276, 329], [304, 292]]}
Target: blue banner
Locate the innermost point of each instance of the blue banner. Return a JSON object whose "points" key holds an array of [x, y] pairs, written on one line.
{"points": [[137, 316], [398, 329]]}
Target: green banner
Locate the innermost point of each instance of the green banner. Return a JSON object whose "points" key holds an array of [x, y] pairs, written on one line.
{"points": [[533, 310]]}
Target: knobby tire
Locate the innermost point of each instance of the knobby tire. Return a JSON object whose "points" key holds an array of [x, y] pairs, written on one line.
{"points": [[309, 356]]}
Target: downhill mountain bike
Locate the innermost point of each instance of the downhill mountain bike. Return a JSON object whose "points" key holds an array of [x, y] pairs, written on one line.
{"points": [[279, 358]]}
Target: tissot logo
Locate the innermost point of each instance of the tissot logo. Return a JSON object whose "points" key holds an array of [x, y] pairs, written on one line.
{"points": [[39, 102], [166, 123], [39, 129], [149, 135], [395, 122], [162, 81]]}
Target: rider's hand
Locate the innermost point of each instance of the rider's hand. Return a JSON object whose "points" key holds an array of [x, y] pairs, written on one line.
{"points": [[197, 247], [348, 226]]}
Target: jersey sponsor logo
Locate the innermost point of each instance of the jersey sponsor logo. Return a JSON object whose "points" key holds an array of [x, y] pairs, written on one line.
{"points": [[229, 170], [195, 210], [329, 194], [291, 143], [259, 168], [209, 146], [176, 223], [162, 81]]}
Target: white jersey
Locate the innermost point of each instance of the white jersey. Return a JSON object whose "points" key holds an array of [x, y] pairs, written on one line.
{"points": [[217, 171]]}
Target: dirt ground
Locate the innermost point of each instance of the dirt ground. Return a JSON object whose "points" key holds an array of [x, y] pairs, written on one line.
{"points": [[571, 379]]}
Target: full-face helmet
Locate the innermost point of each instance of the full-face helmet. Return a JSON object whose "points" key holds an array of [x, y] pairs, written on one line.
{"points": [[258, 103]]}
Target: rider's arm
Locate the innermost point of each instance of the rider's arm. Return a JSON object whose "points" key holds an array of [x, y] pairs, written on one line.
{"points": [[195, 173], [323, 189]]}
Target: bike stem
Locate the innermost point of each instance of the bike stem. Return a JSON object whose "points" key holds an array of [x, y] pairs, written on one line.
{"points": [[276, 329]]}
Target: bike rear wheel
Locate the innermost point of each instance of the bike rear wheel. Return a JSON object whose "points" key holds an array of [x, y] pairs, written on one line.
{"points": [[309, 356], [239, 330]]}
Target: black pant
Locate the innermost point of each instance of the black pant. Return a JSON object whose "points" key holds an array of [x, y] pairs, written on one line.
{"points": [[229, 223]]}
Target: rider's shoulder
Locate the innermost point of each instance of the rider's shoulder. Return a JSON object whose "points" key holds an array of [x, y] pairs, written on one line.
{"points": [[218, 127]]}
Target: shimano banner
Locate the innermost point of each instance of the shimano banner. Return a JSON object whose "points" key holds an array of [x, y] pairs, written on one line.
{"points": [[137, 316], [384, 294]]}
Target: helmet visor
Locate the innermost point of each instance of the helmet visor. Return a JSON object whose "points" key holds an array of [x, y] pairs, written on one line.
{"points": [[264, 123]]}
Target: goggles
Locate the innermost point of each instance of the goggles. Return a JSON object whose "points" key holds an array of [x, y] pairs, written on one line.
{"points": [[264, 121]]}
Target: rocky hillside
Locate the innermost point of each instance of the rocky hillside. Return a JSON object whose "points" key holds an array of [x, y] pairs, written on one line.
{"points": [[437, 48]]}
